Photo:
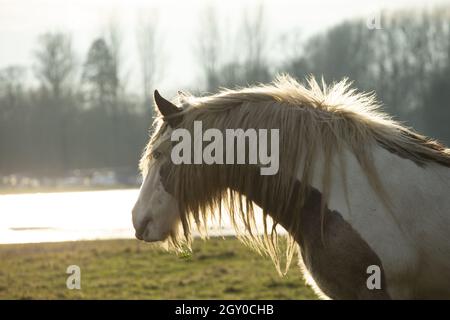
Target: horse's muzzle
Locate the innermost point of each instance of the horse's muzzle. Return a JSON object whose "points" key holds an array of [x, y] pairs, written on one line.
{"points": [[142, 228]]}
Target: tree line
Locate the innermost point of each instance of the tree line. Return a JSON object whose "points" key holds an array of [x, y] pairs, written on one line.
{"points": [[82, 116]]}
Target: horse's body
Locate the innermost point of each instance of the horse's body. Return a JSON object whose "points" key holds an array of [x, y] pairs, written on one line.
{"points": [[413, 240], [358, 191]]}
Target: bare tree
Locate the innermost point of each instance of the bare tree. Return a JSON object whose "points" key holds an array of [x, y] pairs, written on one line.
{"points": [[230, 56], [100, 75], [150, 53], [209, 47], [12, 79], [12, 94], [114, 39], [54, 61], [254, 43]]}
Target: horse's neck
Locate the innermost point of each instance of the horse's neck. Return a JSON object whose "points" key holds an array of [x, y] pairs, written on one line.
{"points": [[407, 185], [424, 187]]}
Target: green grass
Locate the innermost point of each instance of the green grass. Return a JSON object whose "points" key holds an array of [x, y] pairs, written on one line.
{"points": [[128, 269]]}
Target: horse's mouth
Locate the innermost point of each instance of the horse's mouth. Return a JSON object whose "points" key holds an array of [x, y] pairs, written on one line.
{"points": [[143, 237], [151, 240], [143, 234]]}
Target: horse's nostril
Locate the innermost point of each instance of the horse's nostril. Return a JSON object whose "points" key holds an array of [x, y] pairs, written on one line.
{"points": [[140, 231], [138, 236]]}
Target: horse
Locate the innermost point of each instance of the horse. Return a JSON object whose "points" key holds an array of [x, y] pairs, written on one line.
{"points": [[359, 194]]}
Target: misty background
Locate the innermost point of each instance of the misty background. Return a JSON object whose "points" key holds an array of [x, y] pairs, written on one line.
{"points": [[76, 98]]}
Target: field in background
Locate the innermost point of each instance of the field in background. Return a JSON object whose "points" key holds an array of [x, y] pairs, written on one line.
{"points": [[128, 269]]}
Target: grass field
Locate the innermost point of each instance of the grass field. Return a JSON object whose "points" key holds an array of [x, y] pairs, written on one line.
{"points": [[128, 269]]}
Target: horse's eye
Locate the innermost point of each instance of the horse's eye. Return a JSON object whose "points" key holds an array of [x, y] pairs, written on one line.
{"points": [[156, 154]]}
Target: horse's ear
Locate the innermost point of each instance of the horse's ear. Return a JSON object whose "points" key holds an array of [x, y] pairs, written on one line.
{"points": [[167, 109]]}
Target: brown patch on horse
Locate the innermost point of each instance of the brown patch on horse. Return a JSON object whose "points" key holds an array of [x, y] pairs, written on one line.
{"points": [[339, 261], [334, 253]]}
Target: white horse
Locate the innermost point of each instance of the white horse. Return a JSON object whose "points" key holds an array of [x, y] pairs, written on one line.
{"points": [[360, 195]]}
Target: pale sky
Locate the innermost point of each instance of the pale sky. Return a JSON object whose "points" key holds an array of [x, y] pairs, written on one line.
{"points": [[21, 21]]}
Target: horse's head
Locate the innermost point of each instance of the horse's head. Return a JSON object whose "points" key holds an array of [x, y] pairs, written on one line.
{"points": [[156, 212]]}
